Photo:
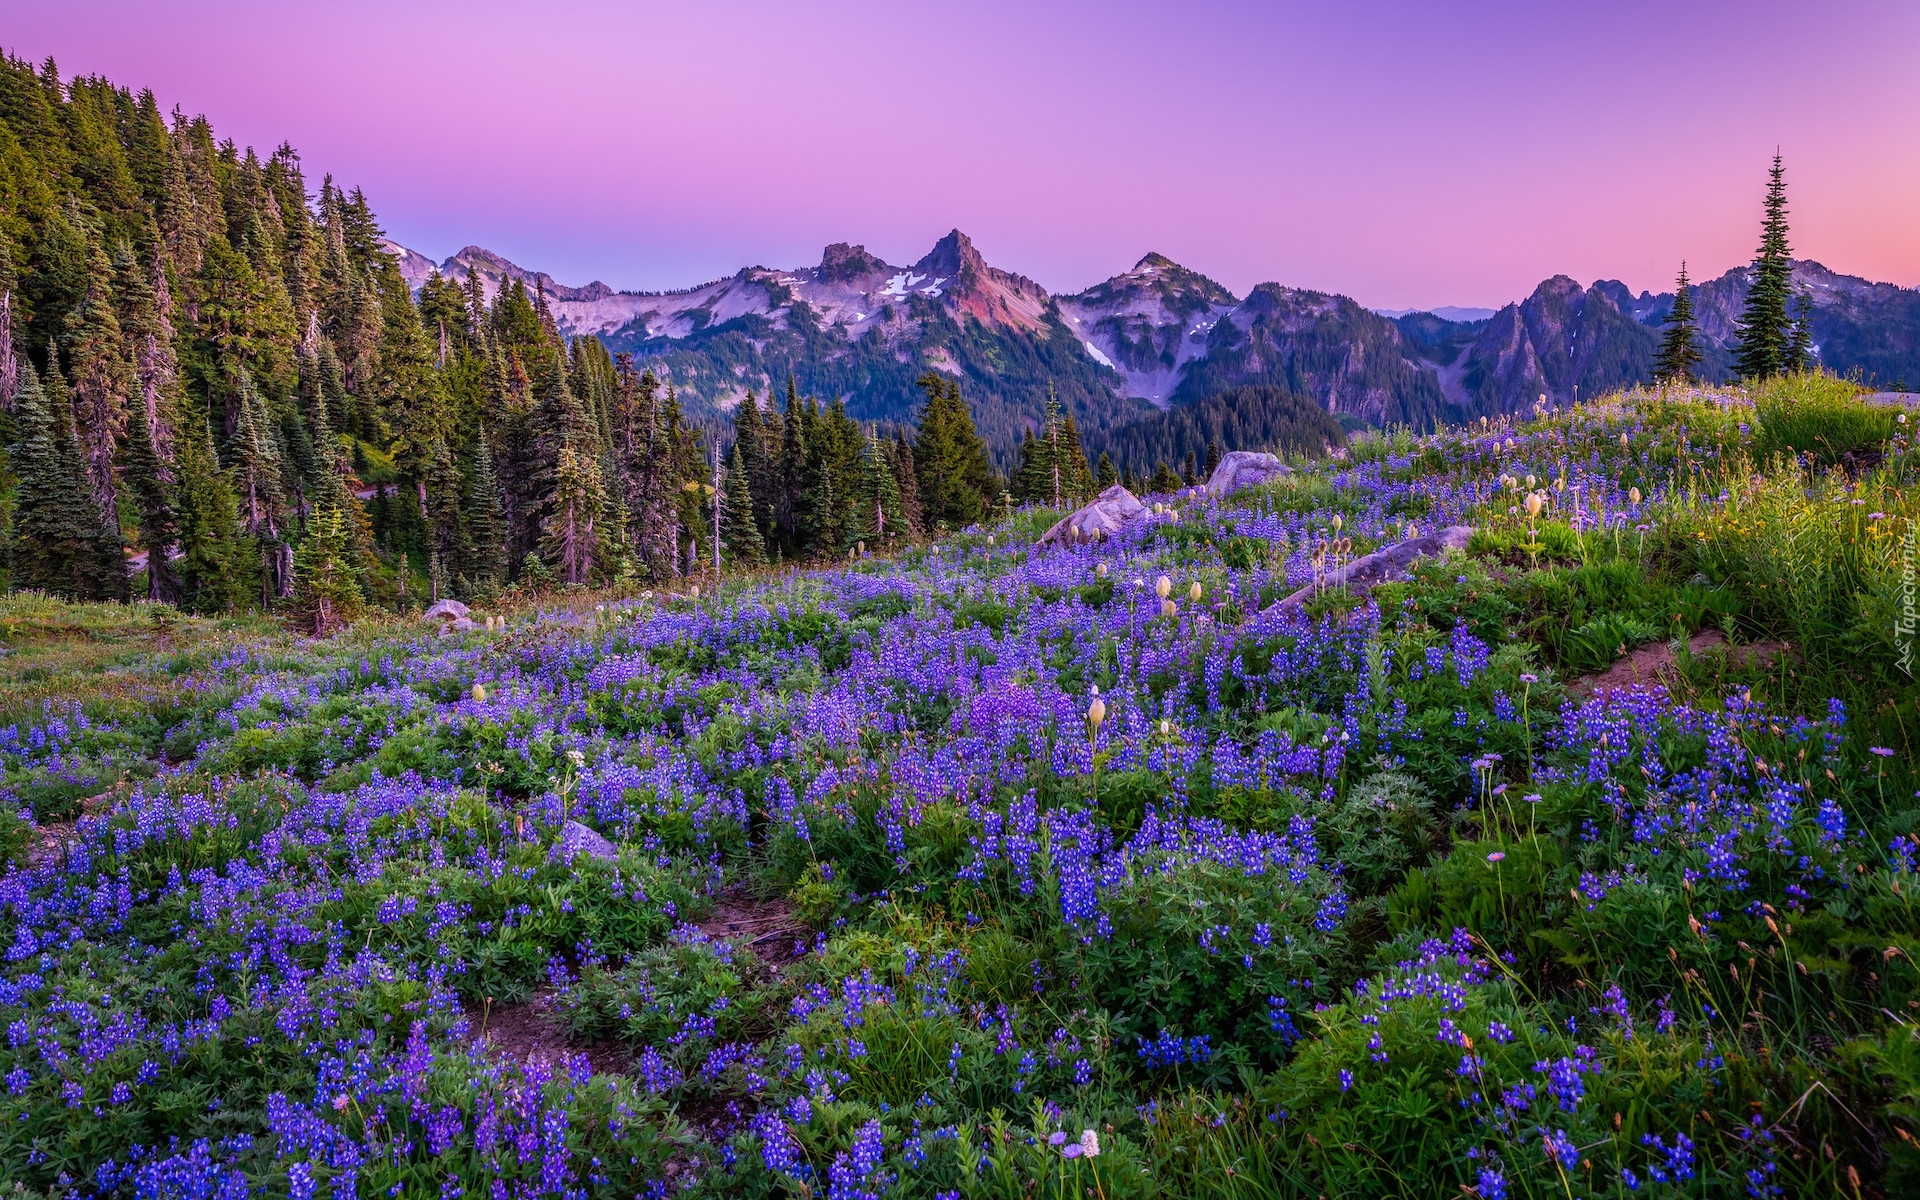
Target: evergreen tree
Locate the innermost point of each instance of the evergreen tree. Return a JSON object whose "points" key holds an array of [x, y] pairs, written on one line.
{"points": [[1213, 456], [1077, 477], [212, 565], [881, 521], [1027, 484], [739, 532], [1106, 476], [1190, 474], [907, 484], [326, 593], [56, 526], [153, 483], [1764, 327], [260, 478], [1164, 480], [1678, 351], [100, 383], [449, 541], [950, 462], [575, 496], [486, 522], [9, 357]]}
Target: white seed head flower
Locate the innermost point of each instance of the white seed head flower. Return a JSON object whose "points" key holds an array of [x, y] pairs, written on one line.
{"points": [[1633, 495], [1168, 608], [1163, 587], [1097, 711], [1100, 569], [479, 694], [1193, 592]]}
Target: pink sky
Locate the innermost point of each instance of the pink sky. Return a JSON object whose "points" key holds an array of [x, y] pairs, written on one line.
{"points": [[1405, 154]]}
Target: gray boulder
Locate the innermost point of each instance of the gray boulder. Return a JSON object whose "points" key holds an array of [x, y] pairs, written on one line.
{"points": [[1110, 512], [576, 839], [1383, 565], [447, 610], [1244, 469]]}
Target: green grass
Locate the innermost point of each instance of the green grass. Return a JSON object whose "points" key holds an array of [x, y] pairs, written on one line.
{"points": [[1818, 415]]}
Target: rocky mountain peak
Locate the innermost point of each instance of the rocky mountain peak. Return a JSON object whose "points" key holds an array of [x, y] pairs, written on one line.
{"points": [[842, 263], [953, 257]]}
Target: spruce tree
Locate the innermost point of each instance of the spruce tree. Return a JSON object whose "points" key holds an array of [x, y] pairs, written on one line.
{"points": [[1764, 325], [260, 478], [1106, 476], [907, 484], [326, 592], [101, 572], [880, 522], [98, 364], [1075, 474], [1213, 456], [212, 562], [957, 483], [739, 532], [56, 528], [486, 522], [1678, 351]]}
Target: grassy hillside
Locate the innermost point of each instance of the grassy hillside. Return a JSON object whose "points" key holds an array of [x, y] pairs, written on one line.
{"points": [[988, 870]]}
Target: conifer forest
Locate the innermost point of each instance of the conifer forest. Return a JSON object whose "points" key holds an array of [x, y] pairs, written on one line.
{"points": [[437, 759]]}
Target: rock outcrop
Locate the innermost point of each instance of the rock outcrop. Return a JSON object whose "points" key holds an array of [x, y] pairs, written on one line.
{"points": [[1244, 469], [576, 839], [1383, 565], [1110, 512]]}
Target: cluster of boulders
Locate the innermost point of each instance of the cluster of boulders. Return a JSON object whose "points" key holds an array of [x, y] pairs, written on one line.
{"points": [[454, 617], [1116, 508]]}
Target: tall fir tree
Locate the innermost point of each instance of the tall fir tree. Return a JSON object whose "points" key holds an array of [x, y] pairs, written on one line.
{"points": [[739, 532], [213, 563], [101, 380], [57, 542], [486, 522], [956, 479], [326, 592], [574, 499], [907, 484], [1765, 330], [880, 522], [1679, 351]]}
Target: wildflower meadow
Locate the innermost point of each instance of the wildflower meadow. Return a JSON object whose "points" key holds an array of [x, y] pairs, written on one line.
{"points": [[993, 869]]}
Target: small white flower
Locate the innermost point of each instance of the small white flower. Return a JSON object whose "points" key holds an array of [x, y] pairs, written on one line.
{"points": [[1089, 1144]]}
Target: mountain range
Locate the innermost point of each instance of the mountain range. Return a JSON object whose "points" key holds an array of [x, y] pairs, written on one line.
{"points": [[1159, 336]]}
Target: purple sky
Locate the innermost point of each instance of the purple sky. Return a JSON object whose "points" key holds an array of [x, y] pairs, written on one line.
{"points": [[1408, 154]]}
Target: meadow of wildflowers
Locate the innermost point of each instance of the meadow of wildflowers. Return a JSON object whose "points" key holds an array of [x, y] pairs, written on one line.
{"points": [[994, 870]]}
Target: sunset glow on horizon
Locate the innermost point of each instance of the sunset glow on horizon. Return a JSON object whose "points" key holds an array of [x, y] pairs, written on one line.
{"points": [[1407, 155]]}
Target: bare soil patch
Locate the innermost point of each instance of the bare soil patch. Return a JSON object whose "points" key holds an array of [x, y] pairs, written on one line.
{"points": [[1653, 662], [766, 927], [533, 1031]]}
